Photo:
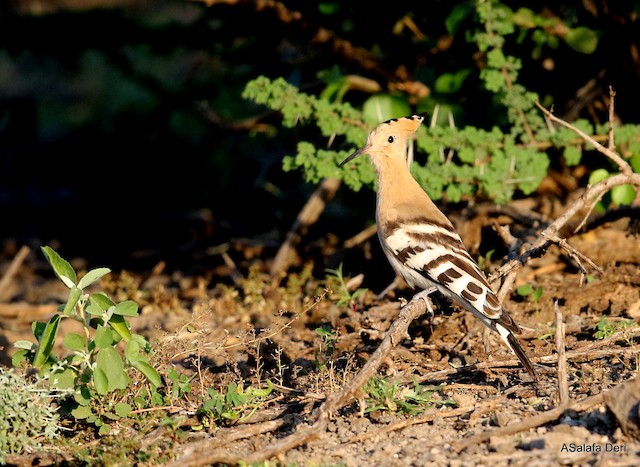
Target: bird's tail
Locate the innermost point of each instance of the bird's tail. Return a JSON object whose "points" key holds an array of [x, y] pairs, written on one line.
{"points": [[516, 348]]}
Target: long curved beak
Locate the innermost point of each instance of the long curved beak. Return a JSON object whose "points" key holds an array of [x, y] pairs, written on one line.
{"points": [[354, 155]]}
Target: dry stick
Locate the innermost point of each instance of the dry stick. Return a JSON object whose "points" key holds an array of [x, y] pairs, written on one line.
{"points": [[549, 359], [13, 269], [309, 215], [563, 383], [361, 237], [422, 418], [531, 422], [612, 116], [575, 254], [511, 268], [432, 414], [208, 451], [624, 166]]}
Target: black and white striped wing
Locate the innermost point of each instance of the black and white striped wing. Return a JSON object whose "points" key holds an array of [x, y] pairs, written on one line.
{"points": [[428, 253], [431, 253]]}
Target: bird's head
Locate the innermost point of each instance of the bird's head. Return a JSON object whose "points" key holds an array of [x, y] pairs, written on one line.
{"points": [[389, 139]]}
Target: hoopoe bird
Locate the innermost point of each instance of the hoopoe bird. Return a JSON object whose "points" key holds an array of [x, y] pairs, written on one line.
{"points": [[419, 240]]}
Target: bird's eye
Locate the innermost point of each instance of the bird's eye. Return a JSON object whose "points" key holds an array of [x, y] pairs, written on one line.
{"points": [[391, 138]]}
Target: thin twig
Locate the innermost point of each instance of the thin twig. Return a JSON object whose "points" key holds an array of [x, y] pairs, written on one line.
{"points": [[530, 422], [361, 237], [612, 116], [575, 254], [563, 383], [624, 166], [210, 452]]}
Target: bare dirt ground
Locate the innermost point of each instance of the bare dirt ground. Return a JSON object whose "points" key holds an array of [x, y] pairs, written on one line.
{"points": [[483, 409]]}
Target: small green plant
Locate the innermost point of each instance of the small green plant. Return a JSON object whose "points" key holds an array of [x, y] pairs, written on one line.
{"points": [[345, 297], [94, 368], [27, 415], [235, 404], [384, 394], [329, 339], [527, 291], [607, 327], [483, 261], [180, 384]]}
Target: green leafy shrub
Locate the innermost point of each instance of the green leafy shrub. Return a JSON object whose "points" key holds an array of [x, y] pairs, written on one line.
{"points": [[497, 162], [27, 416], [94, 368]]}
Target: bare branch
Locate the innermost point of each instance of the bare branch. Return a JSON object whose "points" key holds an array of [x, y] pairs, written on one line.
{"points": [[612, 116], [537, 249], [563, 384], [625, 168]]}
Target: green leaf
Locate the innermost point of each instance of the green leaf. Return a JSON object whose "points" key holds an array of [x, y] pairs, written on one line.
{"points": [[127, 308], [22, 344], [38, 329], [635, 163], [122, 409], [110, 363], [623, 194], [451, 83], [46, 342], [382, 107], [104, 337], [459, 12], [132, 351], [148, 371], [92, 276], [73, 341], [81, 412], [99, 302], [119, 324], [524, 17], [524, 290], [19, 357], [101, 381], [61, 267], [82, 395], [537, 294], [582, 39], [65, 379], [104, 429], [572, 155]]}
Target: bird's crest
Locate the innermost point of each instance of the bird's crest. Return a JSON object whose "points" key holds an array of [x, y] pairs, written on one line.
{"points": [[406, 125]]}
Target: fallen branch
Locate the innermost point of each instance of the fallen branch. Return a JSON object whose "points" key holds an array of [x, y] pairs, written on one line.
{"points": [[563, 382], [308, 216], [587, 200], [530, 422], [205, 452]]}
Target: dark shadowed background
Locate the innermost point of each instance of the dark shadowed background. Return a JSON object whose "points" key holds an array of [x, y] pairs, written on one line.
{"points": [[124, 138]]}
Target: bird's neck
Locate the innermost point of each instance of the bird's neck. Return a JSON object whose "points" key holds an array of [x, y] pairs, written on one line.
{"points": [[399, 193]]}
